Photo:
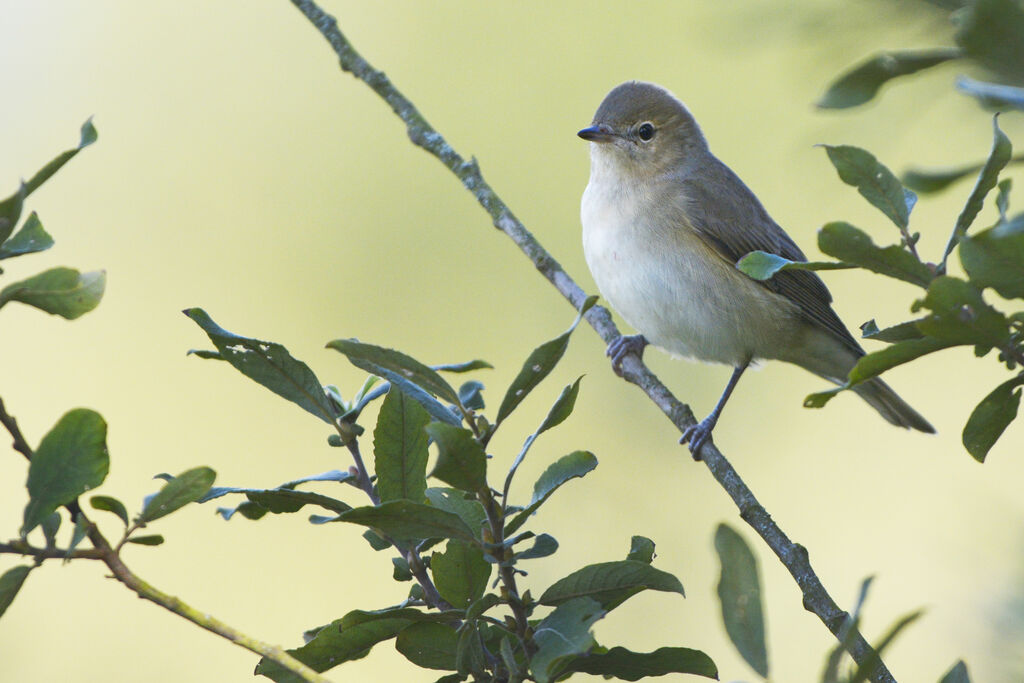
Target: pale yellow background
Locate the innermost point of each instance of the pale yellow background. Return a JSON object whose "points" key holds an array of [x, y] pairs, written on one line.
{"points": [[239, 170]]}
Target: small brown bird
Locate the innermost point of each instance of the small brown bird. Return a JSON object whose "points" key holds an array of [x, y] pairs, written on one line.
{"points": [[664, 223]]}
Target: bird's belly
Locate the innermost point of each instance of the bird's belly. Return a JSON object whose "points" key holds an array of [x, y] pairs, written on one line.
{"points": [[684, 298]]}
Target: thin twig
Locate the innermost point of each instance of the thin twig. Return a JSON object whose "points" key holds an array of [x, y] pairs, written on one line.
{"points": [[793, 556], [19, 547]]}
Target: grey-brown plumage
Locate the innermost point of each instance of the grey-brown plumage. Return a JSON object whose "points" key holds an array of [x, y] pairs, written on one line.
{"points": [[664, 223]]}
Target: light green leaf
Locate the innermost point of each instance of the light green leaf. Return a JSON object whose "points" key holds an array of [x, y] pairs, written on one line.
{"points": [[761, 265], [739, 591], [874, 181], [187, 487], [460, 573], [400, 448], [60, 291]]}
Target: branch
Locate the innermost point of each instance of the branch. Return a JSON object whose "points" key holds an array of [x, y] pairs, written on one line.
{"points": [[793, 556]]}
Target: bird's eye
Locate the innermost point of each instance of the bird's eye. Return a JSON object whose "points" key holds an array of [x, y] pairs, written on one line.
{"points": [[645, 131]]}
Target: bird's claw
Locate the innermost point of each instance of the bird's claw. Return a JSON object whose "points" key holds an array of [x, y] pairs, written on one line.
{"points": [[697, 435], [622, 347]]}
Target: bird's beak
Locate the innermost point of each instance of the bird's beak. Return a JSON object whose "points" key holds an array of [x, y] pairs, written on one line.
{"points": [[599, 133]]}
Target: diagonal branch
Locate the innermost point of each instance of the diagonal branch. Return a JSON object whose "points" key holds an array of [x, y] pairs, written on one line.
{"points": [[794, 556]]}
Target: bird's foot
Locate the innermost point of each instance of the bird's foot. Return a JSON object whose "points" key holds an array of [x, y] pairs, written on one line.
{"points": [[697, 435], [623, 346]]}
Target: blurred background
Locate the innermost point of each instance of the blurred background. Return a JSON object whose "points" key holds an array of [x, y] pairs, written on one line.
{"points": [[239, 170]]}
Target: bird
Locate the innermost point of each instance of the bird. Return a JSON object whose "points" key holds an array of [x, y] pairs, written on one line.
{"points": [[664, 224]]}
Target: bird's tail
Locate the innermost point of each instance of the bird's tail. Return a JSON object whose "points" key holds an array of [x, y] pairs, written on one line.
{"points": [[889, 405]]}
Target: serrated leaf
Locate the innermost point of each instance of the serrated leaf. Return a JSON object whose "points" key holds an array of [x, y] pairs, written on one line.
{"points": [[153, 539], [991, 417], [854, 246], [995, 257], [606, 582], [576, 464], [891, 335], [958, 674], [187, 487], [30, 239], [626, 665], [400, 448], [463, 367], [110, 504], [461, 460], [403, 519], [59, 291], [538, 365], [873, 180], [460, 573], [71, 459], [861, 83], [961, 316], [562, 636], [739, 592], [10, 583], [761, 265], [429, 645], [268, 364], [468, 509], [641, 549]]}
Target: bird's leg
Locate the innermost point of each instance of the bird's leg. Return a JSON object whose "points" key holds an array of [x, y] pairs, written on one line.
{"points": [[701, 432], [623, 346]]}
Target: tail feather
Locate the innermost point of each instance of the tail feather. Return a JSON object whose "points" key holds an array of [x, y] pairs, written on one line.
{"points": [[889, 405]]}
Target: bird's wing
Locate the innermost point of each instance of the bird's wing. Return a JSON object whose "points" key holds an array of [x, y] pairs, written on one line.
{"points": [[727, 215]]}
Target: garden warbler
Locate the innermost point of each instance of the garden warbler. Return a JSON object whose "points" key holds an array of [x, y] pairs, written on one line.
{"points": [[664, 223]]}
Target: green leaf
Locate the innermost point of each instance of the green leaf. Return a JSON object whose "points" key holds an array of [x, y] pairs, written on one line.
{"points": [[641, 549], [987, 179], [958, 674], [961, 316], [403, 519], [865, 670], [539, 364], [576, 464], [991, 417], [992, 95], [375, 541], [10, 584], [269, 364], [891, 335], [290, 500], [471, 395], [187, 487], [861, 83], [110, 504], [429, 645], [50, 526], [933, 180], [30, 239], [10, 212], [77, 534], [562, 407], [562, 636], [153, 539], [995, 258], [459, 503], [874, 181], [739, 591], [846, 635], [989, 32], [88, 136], [461, 460], [71, 459], [608, 582], [853, 245], [761, 265], [400, 448], [482, 605], [469, 653], [460, 573], [626, 665], [415, 379], [59, 291], [463, 367]]}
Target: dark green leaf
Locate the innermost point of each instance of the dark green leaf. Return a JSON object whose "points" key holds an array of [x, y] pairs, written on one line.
{"points": [[482, 605], [88, 136], [375, 541], [402, 571], [10, 584], [987, 179], [110, 504], [154, 539], [187, 487], [469, 653], [50, 526], [958, 674], [989, 32], [543, 546], [539, 364], [991, 417], [408, 373], [460, 573], [77, 534], [961, 316], [853, 245], [429, 645], [874, 181], [71, 459], [861, 83], [641, 549], [995, 258], [205, 354], [576, 464], [992, 95], [248, 509], [607, 581], [562, 636], [865, 670], [625, 665], [562, 407], [463, 367], [461, 460], [269, 364], [739, 590], [10, 212], [470, 393], [400, 448], [934, 180], [59, 291], [468, 509], [290, 500], [847, 632], [403, 519], [891, 335], [30, 239], [761, 265]]}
